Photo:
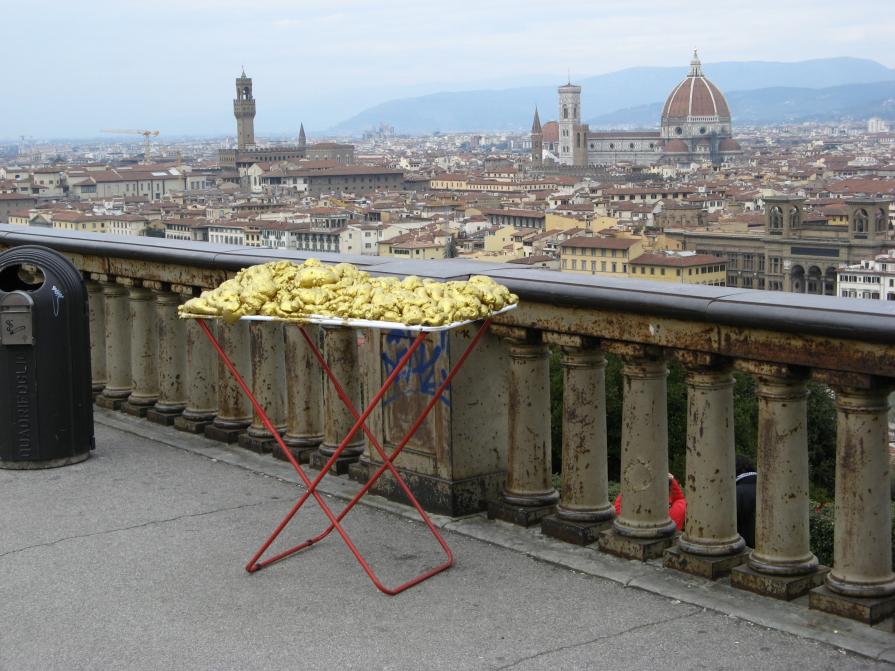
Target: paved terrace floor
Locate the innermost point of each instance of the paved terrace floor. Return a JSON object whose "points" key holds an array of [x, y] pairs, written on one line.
{"points": [[134, 560]]}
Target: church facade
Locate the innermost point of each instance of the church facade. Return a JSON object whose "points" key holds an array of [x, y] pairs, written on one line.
{"points": [[695, 128]]}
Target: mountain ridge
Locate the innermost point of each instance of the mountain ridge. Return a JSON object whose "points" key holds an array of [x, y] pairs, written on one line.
{"points": [[511, 109]]}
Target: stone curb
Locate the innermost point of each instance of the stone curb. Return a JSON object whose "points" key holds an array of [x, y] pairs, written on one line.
{"points": [[793, 618]]}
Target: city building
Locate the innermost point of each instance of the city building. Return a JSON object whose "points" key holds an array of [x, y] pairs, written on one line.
{"points": [[680, 267], [873, 279], [796, 252], [695, 127], [246, 152], [599, 256]]}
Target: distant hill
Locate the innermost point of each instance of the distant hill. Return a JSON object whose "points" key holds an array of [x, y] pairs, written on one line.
{"points": [[602, 95], [779, 104]]}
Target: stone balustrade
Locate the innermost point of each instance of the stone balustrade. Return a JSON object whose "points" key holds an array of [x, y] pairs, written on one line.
{"points": [[486, 445]]}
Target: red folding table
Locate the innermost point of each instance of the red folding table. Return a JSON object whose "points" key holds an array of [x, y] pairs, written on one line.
{"points": [[335, 520]]}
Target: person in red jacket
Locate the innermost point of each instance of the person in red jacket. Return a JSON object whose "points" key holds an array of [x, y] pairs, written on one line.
{"points": [[677, 504]]}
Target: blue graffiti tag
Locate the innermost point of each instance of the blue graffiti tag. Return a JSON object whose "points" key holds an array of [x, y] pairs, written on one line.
{"points": [[422, 375]]}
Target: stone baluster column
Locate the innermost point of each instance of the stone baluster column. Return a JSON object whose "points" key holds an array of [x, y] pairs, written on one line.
{"points": [[234, 408], [861, 584], [118, 347], [97, 319], [710, 545], [528, 495], [643, 529], [340, 351], [304, 395], [201, 380], [170, 332], [781, 565], [144, 352], [584, 508], [268, 385]]}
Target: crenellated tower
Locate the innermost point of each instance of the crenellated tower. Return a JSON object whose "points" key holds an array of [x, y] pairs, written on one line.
{"points": [[244, 111]]}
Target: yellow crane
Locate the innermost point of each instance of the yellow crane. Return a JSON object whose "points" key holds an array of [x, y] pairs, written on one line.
{"points": [[147, 146]]}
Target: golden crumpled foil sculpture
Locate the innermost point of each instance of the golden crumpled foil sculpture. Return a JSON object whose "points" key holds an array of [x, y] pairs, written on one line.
{"points": [[292, 291]]}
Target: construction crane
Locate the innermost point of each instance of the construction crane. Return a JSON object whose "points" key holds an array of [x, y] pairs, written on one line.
{"points": [[147, 147]]}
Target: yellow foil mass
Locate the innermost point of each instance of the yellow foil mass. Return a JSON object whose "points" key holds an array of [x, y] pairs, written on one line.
{"points": [[292, 291]]}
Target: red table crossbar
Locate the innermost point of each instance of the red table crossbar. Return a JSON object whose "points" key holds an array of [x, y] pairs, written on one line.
{"points": [[255, 562]]}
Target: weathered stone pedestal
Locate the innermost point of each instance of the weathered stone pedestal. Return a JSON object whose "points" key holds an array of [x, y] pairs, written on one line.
{"points": [[584, 509], [224, 434], [340, 351], [579, 533], [118, 347], [144, 352], [165, 418], [96, 312], [643, 530], [201, 381], [304, 397], [784, 587], [706, 566], [261, 445], [861, 584], [359, 472], [171, 359], [528, 495], [710, 545], [268, 385], [781, 565], [234, 409], [866, 609], [524, 516]]}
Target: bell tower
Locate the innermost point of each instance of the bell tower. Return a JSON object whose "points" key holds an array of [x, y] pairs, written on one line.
{"points": [[571, 134], [537, 142], [244, 111]]}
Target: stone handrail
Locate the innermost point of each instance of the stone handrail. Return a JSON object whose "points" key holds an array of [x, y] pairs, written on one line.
{"points": [[487, 444]]}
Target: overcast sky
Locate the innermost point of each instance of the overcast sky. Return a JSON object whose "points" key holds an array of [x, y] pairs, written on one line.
{"points": [[73, 67]]}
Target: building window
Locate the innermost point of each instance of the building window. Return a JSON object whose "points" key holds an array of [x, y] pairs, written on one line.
{"points": [[775, 220], [602, 266]]}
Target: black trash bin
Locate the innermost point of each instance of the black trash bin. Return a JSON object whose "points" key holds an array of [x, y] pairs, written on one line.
{"points": [[46, 411]]}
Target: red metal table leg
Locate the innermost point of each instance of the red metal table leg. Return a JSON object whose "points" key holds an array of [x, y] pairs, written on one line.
{"points": [[335, 521], [388, 460]]}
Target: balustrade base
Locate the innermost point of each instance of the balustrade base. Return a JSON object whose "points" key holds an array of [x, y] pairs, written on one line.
{"points": [[579, 533], [523, 516], [454, 498], [135, 410], [869, 610], [221, 434], [110, 403], [629, 547], [359, 472], [706, 566], [784, 587], [259, 445], [318, 460], [192, 425], [302, 454], [163, 417]]}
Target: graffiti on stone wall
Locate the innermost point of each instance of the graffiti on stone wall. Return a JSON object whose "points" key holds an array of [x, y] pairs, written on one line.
{"points": [[425, 371]]}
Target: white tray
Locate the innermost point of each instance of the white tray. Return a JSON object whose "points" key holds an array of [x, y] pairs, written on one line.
{"points": [[358, 323]]}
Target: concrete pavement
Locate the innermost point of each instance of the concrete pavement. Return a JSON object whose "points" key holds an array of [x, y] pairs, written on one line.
{"points": [[134, 560]]}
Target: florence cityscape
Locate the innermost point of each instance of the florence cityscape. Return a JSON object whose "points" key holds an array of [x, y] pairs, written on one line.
{"points": [[590, 303]]}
